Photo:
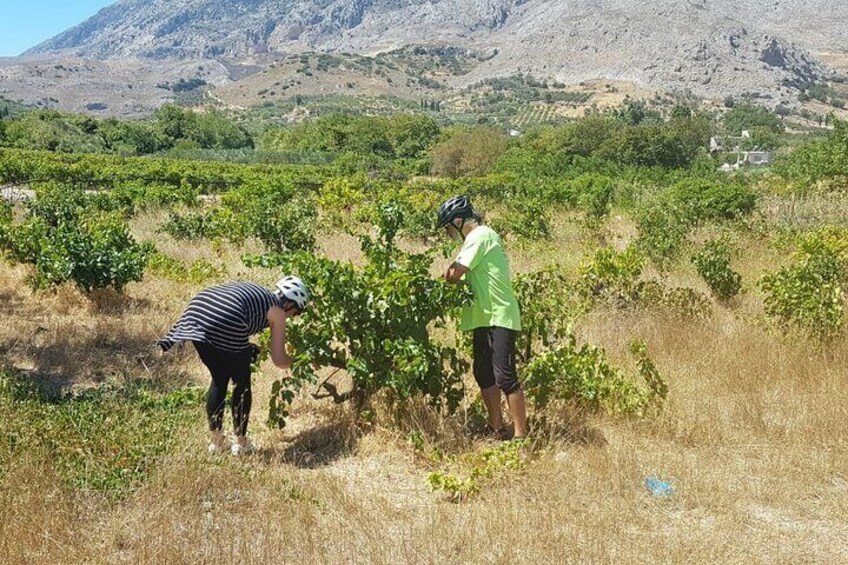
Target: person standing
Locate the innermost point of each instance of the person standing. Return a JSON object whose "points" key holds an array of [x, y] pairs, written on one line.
{"points": [[219, 322], [493, 316]]}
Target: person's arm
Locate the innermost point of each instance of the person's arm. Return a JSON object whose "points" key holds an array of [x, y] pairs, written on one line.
{"points": [[469, 257], [455, 272], [277, 321]]}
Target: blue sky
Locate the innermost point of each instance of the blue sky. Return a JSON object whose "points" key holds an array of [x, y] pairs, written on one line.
{"points": [[24, 23]]}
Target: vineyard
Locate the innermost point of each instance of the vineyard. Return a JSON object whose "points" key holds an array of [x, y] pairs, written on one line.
{"points": [[677, 323], [535, 115]]}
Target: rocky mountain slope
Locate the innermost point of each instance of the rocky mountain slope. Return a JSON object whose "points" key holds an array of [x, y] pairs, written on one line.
{"points": [[714, 48]]}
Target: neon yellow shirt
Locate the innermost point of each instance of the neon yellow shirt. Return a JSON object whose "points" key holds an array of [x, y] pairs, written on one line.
{"points": [[490, 278]]}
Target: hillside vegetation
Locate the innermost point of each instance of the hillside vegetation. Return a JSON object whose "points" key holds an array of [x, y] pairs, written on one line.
{"points": [[679, 323]]}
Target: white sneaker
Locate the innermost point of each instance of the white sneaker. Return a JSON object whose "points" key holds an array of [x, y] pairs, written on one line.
{"points": [[242, 446], [218, 444]]}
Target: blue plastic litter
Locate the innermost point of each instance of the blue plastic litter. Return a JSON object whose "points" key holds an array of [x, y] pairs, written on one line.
{"points": [[658, 488]]}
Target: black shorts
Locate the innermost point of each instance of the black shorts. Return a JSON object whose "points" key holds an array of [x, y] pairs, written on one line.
{"points": [[494, 359]]}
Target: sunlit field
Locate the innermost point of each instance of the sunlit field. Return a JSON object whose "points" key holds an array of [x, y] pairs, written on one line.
{"points": [[680, 324]]}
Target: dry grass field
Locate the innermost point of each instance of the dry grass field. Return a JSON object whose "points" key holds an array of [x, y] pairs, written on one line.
{"points": [[754, 438]]}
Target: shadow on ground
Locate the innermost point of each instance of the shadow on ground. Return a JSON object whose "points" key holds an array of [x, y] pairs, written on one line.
{"points": [[59, 361], [315, 447]]}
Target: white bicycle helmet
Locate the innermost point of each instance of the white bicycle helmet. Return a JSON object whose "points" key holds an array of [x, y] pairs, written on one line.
{"points": [[293, 289]]}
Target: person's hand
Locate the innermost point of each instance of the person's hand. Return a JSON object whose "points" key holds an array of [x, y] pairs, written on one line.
{"points": [[255, 350]]}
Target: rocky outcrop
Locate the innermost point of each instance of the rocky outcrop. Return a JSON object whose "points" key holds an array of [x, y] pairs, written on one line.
{"points": [[712, 47]]}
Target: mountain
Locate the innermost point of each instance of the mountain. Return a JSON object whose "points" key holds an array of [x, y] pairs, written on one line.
{"points": [[249, 28], [245, 28], [713, 48]]}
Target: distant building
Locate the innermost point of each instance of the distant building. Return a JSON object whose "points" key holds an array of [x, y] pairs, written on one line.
{"points": [[733, 144], [716, 144], [728, 143], [757, 158], [748, 159]]}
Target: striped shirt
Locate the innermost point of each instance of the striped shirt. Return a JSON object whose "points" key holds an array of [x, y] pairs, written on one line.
{"points": [[223, 316]]}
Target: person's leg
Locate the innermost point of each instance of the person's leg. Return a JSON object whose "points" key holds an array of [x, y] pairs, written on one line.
{"points": [[506, 377], [216, 395], [242, 395], [485, 376], [518, 413], [492, 400]]}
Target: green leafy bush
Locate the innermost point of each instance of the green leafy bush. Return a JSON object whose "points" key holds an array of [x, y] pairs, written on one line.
{"points": [[705, 200], [612, 276], [374, 323], [278, 214], [713, 265], [65, 240], [666, 221], [594, 195], [679, 302], [468, 153], [199, 271], [526, 219], [582, 374], [485, 465], [193, 225], [340, 197], [747, 117], [287, 227], [416, 204], [6, 218], [807, 296], [819, 160], [663, 233], [615, 278], [548, 308]]}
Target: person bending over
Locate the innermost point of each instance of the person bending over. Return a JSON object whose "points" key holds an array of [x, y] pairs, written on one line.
{"points": [[219, 322]]}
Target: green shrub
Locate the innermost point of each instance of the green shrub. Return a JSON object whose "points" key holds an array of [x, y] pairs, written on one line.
{"points": [[280, 215], [468, 153], [747, 117], [594, 195], [807, 296], [612, 276], [6, 218], [713, 265], [584, 376], [192, 225], [199, 271], [484, 465], [548, 308], [615, 278], [65, 240], [288, 227], [704, 200], [678, 302], [663, 233], [526, 219], [374, 322], [818, 160], [417, 206], [340, 197]]}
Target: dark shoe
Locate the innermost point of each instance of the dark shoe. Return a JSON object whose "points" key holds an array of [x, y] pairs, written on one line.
{"points": [[497, 435]]}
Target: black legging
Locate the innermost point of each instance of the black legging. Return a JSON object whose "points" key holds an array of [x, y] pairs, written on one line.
{"points": [[225, 366]]}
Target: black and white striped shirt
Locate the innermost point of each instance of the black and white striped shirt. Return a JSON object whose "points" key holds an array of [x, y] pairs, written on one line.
{"points": [[223, 316]]}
